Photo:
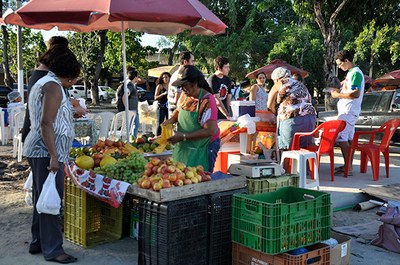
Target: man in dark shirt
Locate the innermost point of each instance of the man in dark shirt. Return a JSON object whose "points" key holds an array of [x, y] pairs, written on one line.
{"points": [[221, 84]]}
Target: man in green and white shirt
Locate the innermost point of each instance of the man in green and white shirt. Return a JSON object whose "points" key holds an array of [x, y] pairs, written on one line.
{"points": [[349, 104]]}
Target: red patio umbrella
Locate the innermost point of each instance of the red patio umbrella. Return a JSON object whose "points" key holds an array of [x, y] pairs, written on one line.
{"points": [[269, 68], [150, 16], [389, 79]]}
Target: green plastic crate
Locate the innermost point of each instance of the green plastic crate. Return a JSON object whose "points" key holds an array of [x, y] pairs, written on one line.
{"points": [[282, 220], [261, 185]]}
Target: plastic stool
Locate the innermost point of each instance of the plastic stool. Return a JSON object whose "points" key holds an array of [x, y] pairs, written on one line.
{"points": [[300, 157]]}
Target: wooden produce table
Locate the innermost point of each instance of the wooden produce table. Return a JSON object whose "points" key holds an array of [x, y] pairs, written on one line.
{"points": [[187, 191]]}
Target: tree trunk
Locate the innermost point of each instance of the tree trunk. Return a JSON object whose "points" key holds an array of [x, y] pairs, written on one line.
{"points": [[329, 34], [8, 80], [100, 57], [172, 51]]}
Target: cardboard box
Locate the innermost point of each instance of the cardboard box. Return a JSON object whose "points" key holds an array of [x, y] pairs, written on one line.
{"points": [[340, 254]]}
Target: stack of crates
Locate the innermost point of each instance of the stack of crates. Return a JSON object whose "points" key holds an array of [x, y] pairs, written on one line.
{"points": [[262, 185], [220, 227], [280, 221], [87, 220], [173, 232], [195, 230]]}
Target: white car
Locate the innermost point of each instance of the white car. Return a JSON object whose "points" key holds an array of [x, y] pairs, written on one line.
{"points": [[78, 91], [103, 93]]}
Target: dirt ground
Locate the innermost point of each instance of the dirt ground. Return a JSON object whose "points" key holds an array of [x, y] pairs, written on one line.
{"points": [[15, 218]]}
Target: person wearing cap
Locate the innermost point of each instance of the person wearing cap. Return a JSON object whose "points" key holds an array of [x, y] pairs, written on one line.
{"points": [[14, 101], [295, 112], [197, 138]]}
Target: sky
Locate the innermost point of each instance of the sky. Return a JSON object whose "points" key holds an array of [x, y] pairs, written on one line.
{"points": [[147, 39]]}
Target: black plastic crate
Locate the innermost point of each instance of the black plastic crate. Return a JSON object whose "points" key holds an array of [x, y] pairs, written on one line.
{"points": [[220, 227], [130, 202], [173, 233]]}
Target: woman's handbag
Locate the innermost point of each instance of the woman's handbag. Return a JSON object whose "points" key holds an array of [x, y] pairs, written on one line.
{"points": [[49, 201]]}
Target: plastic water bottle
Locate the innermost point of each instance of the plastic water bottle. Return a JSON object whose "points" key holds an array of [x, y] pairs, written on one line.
{"points": [[331, 242]]}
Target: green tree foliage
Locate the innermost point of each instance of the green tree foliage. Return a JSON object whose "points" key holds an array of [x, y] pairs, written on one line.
{"points": [[302, 46], [32, 47], [135, 53], [253, 28], [379, 45], [85, 46]]}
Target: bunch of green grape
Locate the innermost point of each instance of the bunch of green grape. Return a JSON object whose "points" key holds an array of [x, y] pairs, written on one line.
{"points": [[128, 169]]}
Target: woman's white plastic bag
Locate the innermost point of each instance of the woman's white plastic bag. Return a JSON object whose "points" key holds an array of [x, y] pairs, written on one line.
{"points": [[28, 190], [49, 200]]}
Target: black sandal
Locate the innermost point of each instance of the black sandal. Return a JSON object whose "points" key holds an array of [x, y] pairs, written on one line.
{"points": [[34, 249], [64, 259]]}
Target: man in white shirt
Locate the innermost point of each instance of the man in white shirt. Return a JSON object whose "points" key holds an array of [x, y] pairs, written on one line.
{"points": [[185, 58], [349, 105]]}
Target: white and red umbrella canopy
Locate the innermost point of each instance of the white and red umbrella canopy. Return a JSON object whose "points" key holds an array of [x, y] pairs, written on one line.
{"points": [[150, 16], [269, 68]]}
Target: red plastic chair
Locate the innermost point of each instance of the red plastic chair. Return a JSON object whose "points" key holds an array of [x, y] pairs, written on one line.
{"points": [[330, 131], [371, 150]]}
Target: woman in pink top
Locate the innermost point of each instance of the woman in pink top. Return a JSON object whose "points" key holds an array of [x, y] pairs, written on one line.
{"points": [[197, 139]]}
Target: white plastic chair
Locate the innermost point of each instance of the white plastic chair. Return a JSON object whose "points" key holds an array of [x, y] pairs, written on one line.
{"points": [[118, 125], [103, 122], [17, 137], [300, 158], [11, 114], [3, 128]]}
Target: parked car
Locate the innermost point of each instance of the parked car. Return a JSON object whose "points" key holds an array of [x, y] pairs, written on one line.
{"points": [[143, 95], [376, 108], [77, 91], [4, 90], [105, 93]]}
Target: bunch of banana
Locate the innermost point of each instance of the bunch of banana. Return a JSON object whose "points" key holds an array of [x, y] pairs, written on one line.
{"points": [[130, 149], [166, 132]]}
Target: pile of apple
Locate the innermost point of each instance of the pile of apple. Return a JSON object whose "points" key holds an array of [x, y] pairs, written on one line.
{"points": [[160, 174]]}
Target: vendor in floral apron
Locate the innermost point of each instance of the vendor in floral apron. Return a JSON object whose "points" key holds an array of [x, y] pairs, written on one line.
{"points": [[197, 139]]}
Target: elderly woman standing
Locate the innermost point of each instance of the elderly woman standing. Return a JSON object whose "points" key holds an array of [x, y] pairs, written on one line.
{"points": [[258, 92], [197, 139], [47, 146], [295, 112]]}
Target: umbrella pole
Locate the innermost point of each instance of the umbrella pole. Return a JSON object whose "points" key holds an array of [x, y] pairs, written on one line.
{"points": [[127, 122]]}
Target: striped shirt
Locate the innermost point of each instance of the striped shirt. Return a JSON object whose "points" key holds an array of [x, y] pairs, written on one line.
{"points": [[34, 146]]}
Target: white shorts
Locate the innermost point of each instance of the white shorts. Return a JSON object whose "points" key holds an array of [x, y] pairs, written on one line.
{"points": [[348, 132]]}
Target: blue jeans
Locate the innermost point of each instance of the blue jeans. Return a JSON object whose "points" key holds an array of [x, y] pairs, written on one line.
{"points": [[136, 121], [213, 149], [287, 128]]}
